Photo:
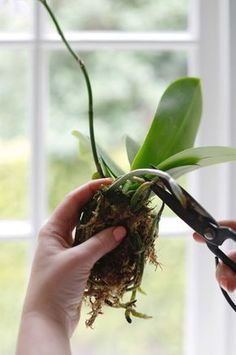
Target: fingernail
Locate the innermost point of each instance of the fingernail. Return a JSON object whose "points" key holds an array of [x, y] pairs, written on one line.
{"points": [[224, 283], [227, 284], [119, 233]]}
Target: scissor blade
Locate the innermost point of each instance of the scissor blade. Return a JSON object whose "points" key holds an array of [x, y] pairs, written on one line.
{"points": [[193, 213]]}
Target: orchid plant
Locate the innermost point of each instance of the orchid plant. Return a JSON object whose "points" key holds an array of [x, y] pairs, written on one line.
{"points": [[167, 148]]}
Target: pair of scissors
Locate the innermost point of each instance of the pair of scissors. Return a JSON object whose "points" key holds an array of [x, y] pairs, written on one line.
{"points": [[192, 213]]}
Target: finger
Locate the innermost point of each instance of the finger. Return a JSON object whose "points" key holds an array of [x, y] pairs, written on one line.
{"points": [[225, 276], [99, 245], [227, 223], [66, 214], [198, 237]]}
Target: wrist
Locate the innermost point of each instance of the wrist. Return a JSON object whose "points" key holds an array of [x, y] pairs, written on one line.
{"points": [[58, 321], [41, 334], [47, 312], [41, 305]]}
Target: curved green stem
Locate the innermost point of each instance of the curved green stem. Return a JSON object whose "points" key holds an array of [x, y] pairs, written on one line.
{"points": [[88, 85]]}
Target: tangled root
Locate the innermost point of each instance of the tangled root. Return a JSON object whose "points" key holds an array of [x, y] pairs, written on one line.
{"points": [[121, 270]]}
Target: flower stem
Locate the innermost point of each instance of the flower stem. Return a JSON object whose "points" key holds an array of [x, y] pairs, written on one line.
{"points": [[88, 85]]}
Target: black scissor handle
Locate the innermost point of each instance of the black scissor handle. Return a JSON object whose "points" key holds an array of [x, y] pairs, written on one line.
{"points": [[225, 294], [222, 256], [203, 223]]}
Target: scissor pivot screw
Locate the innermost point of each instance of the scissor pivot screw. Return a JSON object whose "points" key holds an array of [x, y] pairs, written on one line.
{"points": [[209, 235]]}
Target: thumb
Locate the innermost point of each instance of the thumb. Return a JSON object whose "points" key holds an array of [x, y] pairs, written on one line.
{"points": [[225, 276], [102, 243]]}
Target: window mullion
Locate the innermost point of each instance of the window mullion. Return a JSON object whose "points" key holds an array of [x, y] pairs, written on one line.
{"points": [[37, 102], [128, 40], [205, 301], [230, 323]]}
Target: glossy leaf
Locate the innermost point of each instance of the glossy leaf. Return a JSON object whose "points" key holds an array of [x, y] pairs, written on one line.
{"points": [[85, 153], [175, 124], [132, 148], [182, 170], [195, 158], [110, 164]]}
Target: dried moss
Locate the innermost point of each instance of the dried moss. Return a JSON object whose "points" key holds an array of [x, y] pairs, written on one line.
{"points": [[121, 270]]}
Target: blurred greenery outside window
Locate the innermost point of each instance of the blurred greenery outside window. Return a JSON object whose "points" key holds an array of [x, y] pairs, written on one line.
{"points": [[127, 85]]}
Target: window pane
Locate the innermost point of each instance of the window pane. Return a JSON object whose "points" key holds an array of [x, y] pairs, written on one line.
{"points": [[127, 87], [13, 278], [164, 300], [15, 15], [123, 15], [14, 145]]}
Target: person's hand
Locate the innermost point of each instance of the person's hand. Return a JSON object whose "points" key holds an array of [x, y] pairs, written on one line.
{"points": [[224, 275], [59, 271]]}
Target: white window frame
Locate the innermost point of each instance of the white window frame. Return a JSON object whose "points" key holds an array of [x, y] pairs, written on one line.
{"points": [[210, 326]]}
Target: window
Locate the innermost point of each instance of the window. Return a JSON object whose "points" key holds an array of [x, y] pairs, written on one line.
{"points": [[132, 50]]}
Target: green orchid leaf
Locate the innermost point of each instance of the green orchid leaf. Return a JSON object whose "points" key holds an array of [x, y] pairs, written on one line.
{"points": [[110, 165], [175, 124], [85, 153], [106, 169], [182, 170], [132, 148], [195, 158]]}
